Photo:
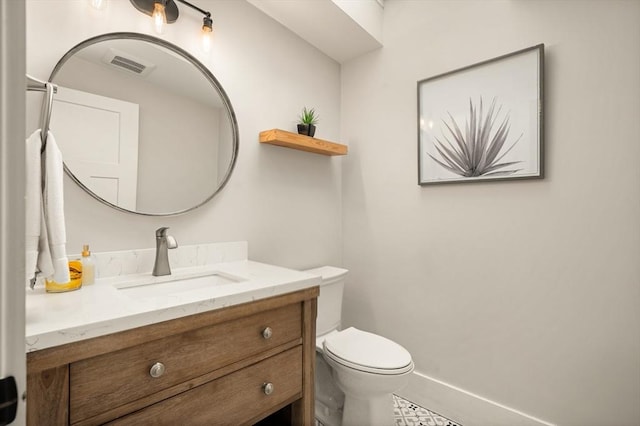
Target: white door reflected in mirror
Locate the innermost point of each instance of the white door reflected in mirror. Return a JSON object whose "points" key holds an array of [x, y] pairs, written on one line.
{"points": [[99, 138]]}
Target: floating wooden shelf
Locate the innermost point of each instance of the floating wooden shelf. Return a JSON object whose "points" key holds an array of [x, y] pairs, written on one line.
{"points": [[301, 142]]}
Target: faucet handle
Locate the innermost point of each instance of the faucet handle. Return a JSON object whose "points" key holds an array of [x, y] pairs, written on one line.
{"points": [[171, 242], [161, 232]]}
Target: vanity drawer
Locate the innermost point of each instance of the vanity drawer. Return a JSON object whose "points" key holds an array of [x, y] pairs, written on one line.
{"points": [[107, 381], [236, 399]]}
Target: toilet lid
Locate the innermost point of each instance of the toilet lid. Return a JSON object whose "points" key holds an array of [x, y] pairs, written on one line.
{"points": [[367, 352]]}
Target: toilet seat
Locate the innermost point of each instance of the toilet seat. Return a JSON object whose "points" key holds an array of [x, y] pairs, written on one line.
{"points": [[320, 339], [367, 352]]}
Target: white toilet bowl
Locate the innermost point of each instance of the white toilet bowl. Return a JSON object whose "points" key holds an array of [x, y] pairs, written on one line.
{"points": [[368, 368], [356, 372]]}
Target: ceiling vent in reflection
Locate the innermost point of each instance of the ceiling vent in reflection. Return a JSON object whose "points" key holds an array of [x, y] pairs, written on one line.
{"points": [[134, 66], [127, 62]]}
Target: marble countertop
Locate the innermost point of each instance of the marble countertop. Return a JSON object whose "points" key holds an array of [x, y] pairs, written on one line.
{"points": [[102, 308]]}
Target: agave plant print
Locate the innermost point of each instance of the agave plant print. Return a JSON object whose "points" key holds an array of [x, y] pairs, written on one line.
{"points": [[477, 151], [483, 122]]}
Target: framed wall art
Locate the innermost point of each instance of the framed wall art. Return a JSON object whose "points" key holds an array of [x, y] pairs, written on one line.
{"points": [[484, 121]]}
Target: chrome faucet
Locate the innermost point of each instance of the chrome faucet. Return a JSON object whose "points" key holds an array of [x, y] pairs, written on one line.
{"points": [[163, 243]]}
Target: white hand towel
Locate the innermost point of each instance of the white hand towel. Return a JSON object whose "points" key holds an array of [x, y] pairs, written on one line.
{"points": [[45, 264], [53, 201], [33, 202]]}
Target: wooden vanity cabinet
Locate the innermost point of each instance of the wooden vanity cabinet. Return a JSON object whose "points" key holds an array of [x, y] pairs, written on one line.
{"points": [[233, 366]]}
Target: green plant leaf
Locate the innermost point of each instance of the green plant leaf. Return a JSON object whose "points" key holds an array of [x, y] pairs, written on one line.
{"points": [[308, 116]]}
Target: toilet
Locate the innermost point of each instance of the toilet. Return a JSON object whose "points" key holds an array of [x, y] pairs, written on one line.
{"points": [[357, 372]]}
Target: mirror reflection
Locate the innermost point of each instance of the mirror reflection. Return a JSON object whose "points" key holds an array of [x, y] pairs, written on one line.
{"points": [[142, 125]]}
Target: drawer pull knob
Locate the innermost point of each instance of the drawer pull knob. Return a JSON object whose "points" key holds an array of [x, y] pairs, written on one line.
{"points": [[157, 370], [267, 388], [267, 333]]}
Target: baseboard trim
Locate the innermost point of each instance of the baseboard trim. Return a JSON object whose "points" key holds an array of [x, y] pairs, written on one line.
{"points": [[462, 406]]}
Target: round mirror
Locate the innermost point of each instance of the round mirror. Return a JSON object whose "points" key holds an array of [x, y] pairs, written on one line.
{"points": [[142, 125]]}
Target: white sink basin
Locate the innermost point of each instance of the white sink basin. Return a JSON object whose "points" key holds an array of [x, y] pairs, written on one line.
{"points": [[149, 286]]}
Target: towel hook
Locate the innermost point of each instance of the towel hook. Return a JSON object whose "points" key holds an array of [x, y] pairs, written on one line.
{"points": [[45, 113]]}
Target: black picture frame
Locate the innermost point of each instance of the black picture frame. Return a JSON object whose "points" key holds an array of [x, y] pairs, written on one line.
{"points": [[483, 122]]}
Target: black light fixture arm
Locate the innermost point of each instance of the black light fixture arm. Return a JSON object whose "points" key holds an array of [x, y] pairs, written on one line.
{"points": [[171, 12], [193, 6]]}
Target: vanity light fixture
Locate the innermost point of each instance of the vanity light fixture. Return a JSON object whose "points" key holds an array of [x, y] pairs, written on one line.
{"points": [[166, 12]]}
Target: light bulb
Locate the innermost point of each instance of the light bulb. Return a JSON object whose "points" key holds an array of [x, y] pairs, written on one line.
{"points": [[98, 4], [206, 38], [159, 17], [207, 30]]}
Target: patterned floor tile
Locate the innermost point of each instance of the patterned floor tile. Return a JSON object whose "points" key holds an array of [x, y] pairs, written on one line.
{"points": [[409, 414]]}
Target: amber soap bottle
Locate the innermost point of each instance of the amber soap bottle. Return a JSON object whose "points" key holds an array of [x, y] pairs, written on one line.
{"points": [[88, 266]]}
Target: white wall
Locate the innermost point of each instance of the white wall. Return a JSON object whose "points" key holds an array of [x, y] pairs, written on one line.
{"points": [[523, 293], [366, 13], [286, 203]]}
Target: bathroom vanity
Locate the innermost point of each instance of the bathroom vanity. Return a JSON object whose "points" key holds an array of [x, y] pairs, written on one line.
{"points": [[225, 353], [221, 340]]}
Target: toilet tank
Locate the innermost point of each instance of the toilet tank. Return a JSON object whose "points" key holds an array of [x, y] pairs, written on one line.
{"points": [[330, 299]]}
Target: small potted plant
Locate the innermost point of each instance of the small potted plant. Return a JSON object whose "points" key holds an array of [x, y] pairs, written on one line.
{"points": [[308, 119]]}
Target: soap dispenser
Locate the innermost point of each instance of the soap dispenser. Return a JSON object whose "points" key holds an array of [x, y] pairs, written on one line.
{"points": [[88, 266]]}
